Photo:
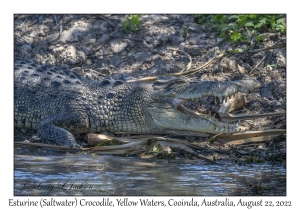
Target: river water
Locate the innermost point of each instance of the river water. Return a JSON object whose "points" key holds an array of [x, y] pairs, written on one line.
{"points": [[73, 174]]}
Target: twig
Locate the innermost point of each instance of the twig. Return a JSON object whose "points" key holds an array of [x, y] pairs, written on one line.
{"points": [[189, 150], [27, 144], [150, 79], [133, 39], [110, 23], [281, 45], [258, 64], [227, 117], [145, 43], [99, 48], [140, 40], [190, 58], [96, 72]]}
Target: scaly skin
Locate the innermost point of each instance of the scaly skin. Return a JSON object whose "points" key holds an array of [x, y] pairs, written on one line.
{"points": [[59, 104]]}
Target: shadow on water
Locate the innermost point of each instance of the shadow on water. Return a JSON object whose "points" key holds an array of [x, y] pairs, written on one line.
{"points": [[71, 174]]}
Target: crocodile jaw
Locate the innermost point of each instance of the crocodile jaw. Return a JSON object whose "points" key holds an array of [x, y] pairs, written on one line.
{"points": [[169, 113], [182, 118]]}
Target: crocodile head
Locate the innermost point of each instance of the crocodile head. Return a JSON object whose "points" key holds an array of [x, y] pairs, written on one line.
{"points": [[167, 109]]}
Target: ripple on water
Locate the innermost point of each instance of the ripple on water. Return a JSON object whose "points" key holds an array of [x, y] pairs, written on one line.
{"points": [[114, 175]]}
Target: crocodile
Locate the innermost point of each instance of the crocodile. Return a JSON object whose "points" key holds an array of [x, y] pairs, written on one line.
{"points": [[59, 104]]}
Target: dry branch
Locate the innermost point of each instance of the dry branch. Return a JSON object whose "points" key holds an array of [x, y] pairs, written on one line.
{"points": [[247, 137]]}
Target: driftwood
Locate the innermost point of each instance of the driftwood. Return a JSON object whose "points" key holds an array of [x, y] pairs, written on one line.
{"points": [[133, 145], [247, 137], [142, 143]]}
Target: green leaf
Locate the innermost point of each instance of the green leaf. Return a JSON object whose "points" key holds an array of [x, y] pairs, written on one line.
{"points": [[233, 17], [258, 38], [252, 16], [263, 20], [125, 25], [243, 38], [135, 20], [223, 35], [272, 23], [249, 24], [258, 25], [219, 18], [235, 36], [225, 28], [200, 20], [243, 20], [253, 32], [280, 20], [280, 28], [234, 26]]}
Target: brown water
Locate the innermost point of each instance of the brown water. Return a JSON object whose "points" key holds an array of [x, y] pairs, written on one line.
{"points": [[72, 174]]}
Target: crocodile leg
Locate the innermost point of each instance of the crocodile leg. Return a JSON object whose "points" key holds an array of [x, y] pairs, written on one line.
{"points": [[60, 129]]}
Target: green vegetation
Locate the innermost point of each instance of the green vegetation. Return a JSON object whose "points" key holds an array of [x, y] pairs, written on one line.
{"points": [[158, 148], [243, 28], [111, 142], [190, 156], [159, 153], [185, 32], [170, 156], [210, 140], [252, 159], [131, 24], [86, 153], [275, 65]]}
